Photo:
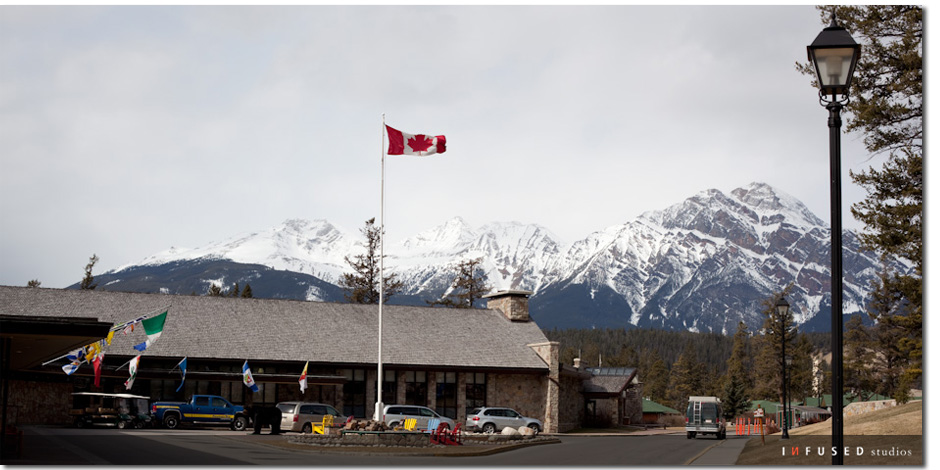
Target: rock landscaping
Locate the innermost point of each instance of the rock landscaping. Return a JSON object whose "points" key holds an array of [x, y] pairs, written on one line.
{"points": [[362, 433]]}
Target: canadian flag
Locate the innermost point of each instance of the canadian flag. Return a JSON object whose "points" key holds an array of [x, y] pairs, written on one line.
{"points": [[400, 143]]}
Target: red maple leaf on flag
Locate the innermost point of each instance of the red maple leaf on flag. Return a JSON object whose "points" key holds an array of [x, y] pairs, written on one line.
{"points": [[420, 143]]}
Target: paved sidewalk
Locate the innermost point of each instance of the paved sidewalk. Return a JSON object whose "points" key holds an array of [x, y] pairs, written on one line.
{"points": [[724, 452]]}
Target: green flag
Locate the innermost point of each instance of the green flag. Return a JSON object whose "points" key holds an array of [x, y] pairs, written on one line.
{"points": [[153, 326]]}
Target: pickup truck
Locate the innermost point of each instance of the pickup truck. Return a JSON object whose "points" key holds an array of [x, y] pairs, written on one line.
{"points": [[201, 409]]}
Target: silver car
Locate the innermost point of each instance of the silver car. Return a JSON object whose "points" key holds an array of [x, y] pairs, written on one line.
{"points": [[300, 416], [493, 419], [395, 415]]}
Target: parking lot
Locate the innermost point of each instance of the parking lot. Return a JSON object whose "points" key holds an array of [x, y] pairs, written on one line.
{"points": [[103, 446]]}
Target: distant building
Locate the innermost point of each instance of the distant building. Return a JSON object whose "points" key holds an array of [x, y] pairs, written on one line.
{"points": [[451, 360], [613, 396], [655, 413]]}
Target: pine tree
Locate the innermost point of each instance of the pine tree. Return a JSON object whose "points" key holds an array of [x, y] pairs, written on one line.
{"points": [[893, 338], [362, 285], [739, 363], [801, 371], [888, 84], [734, 398], [627, 357], [859, 377], [88, 282], [33, 283], [214, 290], [887, 107], [770, 363], [656, 380], [469, 286], [567, 355], [766, 384], [686, 378], [590, 355], [235, 292], [246, 294], [736, 391]]}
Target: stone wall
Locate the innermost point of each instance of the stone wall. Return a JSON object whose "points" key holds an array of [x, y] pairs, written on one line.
{"points": [[863, 407], [513, 304], [523, 393], [39, 403], [570, 403], [548, 351], [607, 412], [633, 403], [384, 439]]}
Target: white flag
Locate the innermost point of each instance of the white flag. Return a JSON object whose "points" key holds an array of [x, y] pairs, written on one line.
{"points": [[132, 367]]}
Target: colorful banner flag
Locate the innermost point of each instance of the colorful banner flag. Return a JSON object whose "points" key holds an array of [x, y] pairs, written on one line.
{"points": [[92, 350], [154, 328], [129, 328], [76, 358], [110, 337], [132, 367], [400, 143], [71, 367], [248, 379], [182, 366], [303, 378], [77, 355], [99, 358]]}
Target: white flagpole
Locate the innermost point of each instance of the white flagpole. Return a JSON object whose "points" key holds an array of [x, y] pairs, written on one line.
{"points": [[379, 378]]}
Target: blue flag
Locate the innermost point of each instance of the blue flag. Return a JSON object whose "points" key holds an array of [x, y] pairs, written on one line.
{"points": [[248, 379], [182, 366]]}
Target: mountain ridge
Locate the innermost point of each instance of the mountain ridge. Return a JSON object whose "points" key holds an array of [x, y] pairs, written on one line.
{"points": [[703, 264]]}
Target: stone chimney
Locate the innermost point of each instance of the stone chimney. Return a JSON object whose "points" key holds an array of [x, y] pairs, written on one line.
{"points": [[514, 304]]}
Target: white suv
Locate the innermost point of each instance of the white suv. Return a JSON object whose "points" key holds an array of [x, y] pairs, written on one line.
{"points": [[395, 415], [490, 420]]}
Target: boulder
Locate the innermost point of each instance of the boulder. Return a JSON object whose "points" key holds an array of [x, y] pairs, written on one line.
{"points": [[526, 431], [507, 431]]}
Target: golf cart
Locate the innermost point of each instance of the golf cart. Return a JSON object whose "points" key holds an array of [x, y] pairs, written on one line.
{"points": [[120, 410]]}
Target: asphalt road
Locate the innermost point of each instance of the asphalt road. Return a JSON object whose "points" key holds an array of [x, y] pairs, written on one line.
{"points": [[67, 446]]}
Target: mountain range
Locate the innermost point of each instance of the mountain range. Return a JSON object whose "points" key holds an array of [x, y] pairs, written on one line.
{"points": [[704, 264]]}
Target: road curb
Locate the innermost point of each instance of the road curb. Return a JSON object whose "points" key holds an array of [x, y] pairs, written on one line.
{"points": [[449, 451], [703, 452]]}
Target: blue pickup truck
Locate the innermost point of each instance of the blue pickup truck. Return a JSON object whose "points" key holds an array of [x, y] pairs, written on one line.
{"points": [[201, 409]]}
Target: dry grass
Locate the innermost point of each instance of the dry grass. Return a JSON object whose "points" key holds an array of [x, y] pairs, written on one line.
{"points": [[903, 420], [896, 428]]}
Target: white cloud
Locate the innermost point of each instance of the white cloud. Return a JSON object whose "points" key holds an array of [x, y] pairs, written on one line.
{"points": [[132, 129]]}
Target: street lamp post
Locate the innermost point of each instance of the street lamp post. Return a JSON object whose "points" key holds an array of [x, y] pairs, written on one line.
{"points": [[834, 55], [788, 408], [783, 311]]}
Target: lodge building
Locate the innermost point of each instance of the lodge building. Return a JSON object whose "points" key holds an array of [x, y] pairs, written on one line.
{"points": [[450, 360]]}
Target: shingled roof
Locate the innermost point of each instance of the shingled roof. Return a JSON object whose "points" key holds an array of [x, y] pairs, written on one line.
{"points": [[608, 381], [291, 330]]}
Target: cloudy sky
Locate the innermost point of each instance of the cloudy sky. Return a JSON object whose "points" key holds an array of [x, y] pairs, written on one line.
{"points": [[127, 130]]}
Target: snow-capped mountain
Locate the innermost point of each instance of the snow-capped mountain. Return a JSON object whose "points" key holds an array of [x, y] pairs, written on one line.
{"points": [[709, 262], [703, 264], [312, 247], [514, 255]]}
